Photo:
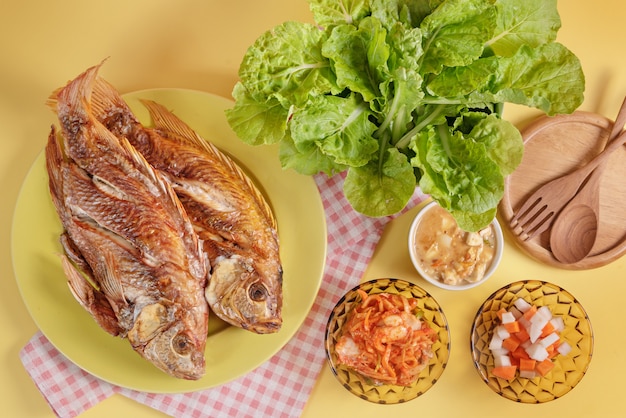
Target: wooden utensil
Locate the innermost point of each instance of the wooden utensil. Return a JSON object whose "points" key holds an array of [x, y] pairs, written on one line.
{"points": [[538, 211], [575, 228]]}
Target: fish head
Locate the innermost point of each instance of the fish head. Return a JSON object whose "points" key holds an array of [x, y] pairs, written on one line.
{"points": [[174, 346], [247, 294]]}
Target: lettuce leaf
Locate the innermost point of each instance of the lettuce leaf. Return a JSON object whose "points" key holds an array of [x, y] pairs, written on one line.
{"points": [[400, 93], [287, 62], [339, 127], [257, 122], [531, 22], [307, 158], [455, 33], [457, 170], [359, 56], [380, 188], [328, 13]]}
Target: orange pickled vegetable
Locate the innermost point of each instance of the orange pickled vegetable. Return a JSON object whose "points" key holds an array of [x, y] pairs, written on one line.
{"points": [[384, 339], [504, 372]]}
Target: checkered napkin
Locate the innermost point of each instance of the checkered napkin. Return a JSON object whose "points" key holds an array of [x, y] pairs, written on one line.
{"points": [[279, 387]]}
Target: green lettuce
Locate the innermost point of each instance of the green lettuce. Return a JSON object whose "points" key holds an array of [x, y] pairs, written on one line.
{"points": [[406, 93]]}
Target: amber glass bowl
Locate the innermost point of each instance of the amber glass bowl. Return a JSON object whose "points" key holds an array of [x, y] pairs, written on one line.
{"points": [[363, 387], [569, 369]]}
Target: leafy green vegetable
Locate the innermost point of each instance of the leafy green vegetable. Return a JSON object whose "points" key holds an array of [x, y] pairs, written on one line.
{"points": [[400, 93]]}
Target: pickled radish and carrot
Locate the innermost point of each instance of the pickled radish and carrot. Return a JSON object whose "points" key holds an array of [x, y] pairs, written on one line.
{"points": [[526, 341], [386, 340]]}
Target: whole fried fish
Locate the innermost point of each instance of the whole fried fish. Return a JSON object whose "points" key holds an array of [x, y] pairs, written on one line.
{"points": [[229, 213], [132, 258]]}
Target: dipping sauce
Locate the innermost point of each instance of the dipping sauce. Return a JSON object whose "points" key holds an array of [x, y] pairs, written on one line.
{"points": [[450, 254]]}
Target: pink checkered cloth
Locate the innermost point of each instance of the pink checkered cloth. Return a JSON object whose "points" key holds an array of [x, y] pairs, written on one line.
{"points": [[281, 386]]}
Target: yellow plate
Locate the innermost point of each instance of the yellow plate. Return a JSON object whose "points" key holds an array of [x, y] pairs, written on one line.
{"points": [[231, 352]]}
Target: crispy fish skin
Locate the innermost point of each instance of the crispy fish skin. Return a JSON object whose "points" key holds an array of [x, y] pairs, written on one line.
{"points": [[229, 213], [125, 231]]}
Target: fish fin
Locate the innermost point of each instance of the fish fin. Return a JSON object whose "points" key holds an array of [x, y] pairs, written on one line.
{"points": [[140, 162], [194, 244], [111, 283], [168, 123], [171, 126], [54, 162], [90, 298], [75, 255], [53, 100], [108, 105], [107, 101]]}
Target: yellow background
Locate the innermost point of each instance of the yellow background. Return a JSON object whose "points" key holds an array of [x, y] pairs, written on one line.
{"points": [[198, 44]]}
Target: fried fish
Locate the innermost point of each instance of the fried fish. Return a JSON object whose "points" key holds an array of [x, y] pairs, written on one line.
{"points": [[131, 255], [229, 213]]}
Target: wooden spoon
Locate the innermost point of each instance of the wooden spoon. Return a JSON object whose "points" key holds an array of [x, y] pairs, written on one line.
{"points": [[575, 229]]}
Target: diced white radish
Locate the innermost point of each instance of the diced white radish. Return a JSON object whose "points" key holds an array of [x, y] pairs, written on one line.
{"points": [[500, 352], [557, 323], [535, 332], [507, 318], [545, 312], [541, 320], [528, 374], [522, 305], [495, 343], [564, 348], [537, 322], [502, 332], [504, 360], [550, 339], [537, 352]]}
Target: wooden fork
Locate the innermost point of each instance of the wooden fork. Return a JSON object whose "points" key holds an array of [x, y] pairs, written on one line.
{"points": [[539, 210]]}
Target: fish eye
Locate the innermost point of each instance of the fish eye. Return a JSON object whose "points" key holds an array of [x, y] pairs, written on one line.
{"points": [[181, 344], [257, 292]]}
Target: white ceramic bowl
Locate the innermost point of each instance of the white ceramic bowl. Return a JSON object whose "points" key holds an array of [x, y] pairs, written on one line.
{"points": [[415, 257]]}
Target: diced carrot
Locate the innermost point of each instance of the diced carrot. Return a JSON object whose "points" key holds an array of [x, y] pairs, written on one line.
{"points": [[529, 313], [522, 335], [514, 361], [510, 343], [520, 352], [553, 349], [512, 327], [527, 364], [500, 312], [547, 329], [544, 367], [505, 372]]}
